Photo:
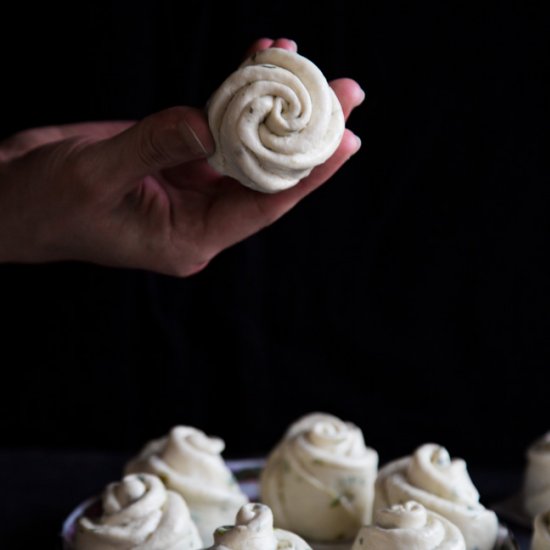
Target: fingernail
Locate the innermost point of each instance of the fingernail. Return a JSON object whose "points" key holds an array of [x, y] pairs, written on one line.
{"points": [[357, 143], [192, 140], [362, 96], [289, 42]]}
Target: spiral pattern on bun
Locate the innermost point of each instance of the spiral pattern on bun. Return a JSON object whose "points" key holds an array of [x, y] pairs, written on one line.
{"points": [[409, 526], [442, 485], [253, 530], [139, 513], [274, 120], [319, 480], [190, 463]]}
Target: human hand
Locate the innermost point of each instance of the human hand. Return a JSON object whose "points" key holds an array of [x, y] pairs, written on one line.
{"points": [[138, 195]]}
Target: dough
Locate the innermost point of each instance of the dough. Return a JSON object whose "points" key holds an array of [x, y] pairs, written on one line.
{"points": [[274, 120], [536, 489], [190, 463], [319, 480], [442, 485], [139, 513], [254, 531], [409, 526], [541, 532]]}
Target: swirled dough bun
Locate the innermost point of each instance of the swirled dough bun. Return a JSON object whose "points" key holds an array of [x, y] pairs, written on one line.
{"points": [[319, 480], [541, 532], [536, 489], [409, 526], [274, 120], [139, 513], [254, 531], [442, 485], [190, 463]]}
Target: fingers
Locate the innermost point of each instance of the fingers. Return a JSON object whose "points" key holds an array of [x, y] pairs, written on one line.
{"points": [[264, 43], [245, 212], [258, 46], [162, 140], [285, 44], [256, 210], [277, 205], [349, 94]]}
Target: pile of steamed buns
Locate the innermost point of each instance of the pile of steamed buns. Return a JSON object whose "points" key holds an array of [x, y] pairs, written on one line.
{"points": [[320, 488]]}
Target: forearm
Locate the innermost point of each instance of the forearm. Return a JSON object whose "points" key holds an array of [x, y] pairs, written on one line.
{"points": [[19, 242], [6, 230]]}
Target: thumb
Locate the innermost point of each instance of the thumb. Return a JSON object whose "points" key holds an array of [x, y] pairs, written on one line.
{"points": [[162, 140]]}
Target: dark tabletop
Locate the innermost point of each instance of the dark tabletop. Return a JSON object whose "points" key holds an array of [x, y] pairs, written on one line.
{"points": [[40, 488]]}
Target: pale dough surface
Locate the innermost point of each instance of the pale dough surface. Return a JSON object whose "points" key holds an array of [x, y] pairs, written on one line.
{"points": [[253, 530], [409, 526], [536, 489], [441, 484], [541, 532], [319, 480], [274, 120], [139, 513], [190, 463]]}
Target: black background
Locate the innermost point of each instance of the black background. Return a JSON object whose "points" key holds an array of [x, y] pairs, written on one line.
{"points": [[408, 295]]}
